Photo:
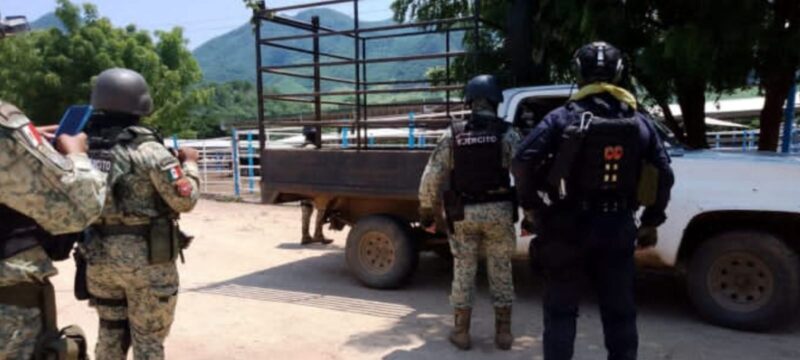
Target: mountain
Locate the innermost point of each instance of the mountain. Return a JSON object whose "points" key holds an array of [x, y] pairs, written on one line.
{"points": [[47, 21], [231, 56]]}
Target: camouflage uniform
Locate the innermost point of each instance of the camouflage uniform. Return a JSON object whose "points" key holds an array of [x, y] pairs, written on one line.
{"points": [[307, 208], [147, 182], [489, 222], [63, 194]]}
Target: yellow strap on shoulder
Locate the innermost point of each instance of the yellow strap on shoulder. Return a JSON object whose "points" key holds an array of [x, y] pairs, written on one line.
{"points": [[599, 88]]}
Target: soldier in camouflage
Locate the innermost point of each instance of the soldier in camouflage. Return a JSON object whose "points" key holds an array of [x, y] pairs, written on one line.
{"points": [[473, 159], [131, 274], [307, 206], [40, 190]]}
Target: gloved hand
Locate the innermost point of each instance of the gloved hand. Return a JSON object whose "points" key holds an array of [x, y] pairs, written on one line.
{"points": [[529, 223], [426, 217], [647, 237]]}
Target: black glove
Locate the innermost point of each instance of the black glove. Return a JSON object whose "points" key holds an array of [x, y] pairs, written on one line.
{"points": [[529, 222], [426, 217], [647, 237]]}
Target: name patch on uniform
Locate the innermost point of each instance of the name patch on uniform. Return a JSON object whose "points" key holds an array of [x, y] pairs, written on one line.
{"points": [[175, 173], [475, 140], [101, 160]]}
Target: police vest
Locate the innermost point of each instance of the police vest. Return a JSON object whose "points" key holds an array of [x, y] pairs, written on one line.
{"points": [[609, 162], [478, 161]]}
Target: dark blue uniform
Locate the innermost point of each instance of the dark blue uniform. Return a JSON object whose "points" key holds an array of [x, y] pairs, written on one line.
{"points": [[577, 241]]}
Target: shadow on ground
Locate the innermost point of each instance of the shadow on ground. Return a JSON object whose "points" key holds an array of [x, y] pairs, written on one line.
{"points": [[668, 327]]}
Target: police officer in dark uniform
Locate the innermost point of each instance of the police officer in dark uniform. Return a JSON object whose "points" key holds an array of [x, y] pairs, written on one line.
{"points": [[582, 174]]}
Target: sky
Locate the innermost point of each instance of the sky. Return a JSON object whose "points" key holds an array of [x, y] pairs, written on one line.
{"points": [[200, 19]]}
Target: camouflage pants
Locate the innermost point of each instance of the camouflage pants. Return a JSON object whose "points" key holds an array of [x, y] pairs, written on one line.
{"points": [[151, 294], [307, 208], [498, 239], [19, 328]]}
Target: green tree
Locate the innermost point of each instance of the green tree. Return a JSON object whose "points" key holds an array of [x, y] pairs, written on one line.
{"points": [[778, 59], [681, 49], [46, 71], [235, 104]]}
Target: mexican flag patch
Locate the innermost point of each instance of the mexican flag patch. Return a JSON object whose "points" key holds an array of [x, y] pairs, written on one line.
{"points": [[175, 173], [32, 135]]}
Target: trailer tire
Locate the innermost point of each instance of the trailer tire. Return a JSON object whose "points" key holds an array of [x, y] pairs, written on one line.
{"points": [[381, 252], [747, 280]]}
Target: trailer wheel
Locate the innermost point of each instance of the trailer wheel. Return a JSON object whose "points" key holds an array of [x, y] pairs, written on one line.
{"points": [[746, 280], [381, 252]]}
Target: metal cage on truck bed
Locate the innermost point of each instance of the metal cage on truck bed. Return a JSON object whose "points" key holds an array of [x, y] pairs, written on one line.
{"points": [[318, 59], [383, 172]]}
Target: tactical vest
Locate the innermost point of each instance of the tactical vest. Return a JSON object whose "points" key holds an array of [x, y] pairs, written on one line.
{"points": [[478, 161], [101, 140], [608, 163], [112, 151]]}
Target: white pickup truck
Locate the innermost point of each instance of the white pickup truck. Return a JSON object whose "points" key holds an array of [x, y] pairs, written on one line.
{"points": [[733, 227]]}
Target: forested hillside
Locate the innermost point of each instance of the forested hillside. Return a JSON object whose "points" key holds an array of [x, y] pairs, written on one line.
{"points": [[232, 56]]}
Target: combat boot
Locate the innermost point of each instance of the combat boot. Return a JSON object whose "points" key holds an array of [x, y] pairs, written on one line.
{"points": [[322, 240], [460, 334], [502, 328]]}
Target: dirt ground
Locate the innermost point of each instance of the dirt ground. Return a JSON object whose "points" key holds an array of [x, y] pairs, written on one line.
{"points": [[250, 291]]}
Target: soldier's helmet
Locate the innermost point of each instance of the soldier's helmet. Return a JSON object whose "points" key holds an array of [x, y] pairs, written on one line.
{"points": [[598, 62], [124, 91], [483, 87]]}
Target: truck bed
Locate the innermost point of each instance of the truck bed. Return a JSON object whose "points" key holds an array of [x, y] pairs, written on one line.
{"points": [[293, 174]]}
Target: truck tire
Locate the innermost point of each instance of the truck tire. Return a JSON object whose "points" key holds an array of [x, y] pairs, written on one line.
{"points": [[747, 280], [381, 252]]}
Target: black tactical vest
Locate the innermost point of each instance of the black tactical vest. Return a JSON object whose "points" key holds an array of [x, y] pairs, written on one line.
{"points": [[478, 160], [609, 162], [17, 232], [101, 140]]}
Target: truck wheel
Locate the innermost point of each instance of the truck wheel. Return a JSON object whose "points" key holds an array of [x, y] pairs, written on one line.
{"points": [[381, 252], [746, 280]]}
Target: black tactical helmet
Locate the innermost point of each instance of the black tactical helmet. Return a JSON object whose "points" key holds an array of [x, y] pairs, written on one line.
{"points": [[598, 62], [122, 91], [483, 86]]}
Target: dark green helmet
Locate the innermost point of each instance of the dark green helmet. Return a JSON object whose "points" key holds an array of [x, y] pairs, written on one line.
{"points": [[123, 91], [483, 87]]}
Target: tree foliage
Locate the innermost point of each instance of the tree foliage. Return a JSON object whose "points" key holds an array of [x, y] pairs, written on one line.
{"points": [[234, 104], [681, 50], [46, 71], [777, 62]]}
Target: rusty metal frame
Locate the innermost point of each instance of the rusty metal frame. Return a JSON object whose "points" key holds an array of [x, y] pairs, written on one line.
{"points": [[362, 87]]}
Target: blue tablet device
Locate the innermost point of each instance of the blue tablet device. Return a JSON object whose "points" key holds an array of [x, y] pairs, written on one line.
{"points": [[74, 120]]}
